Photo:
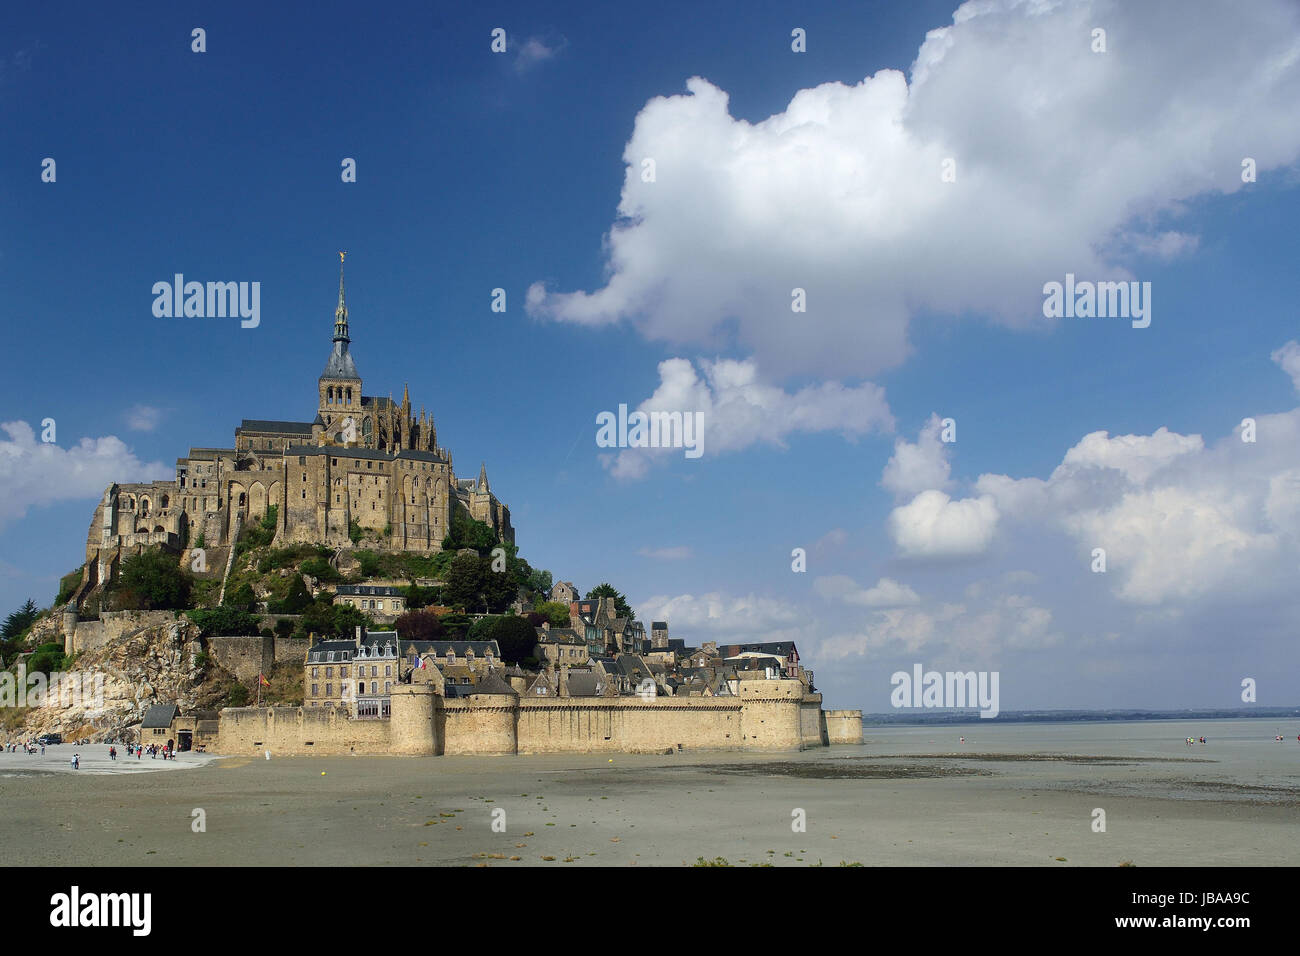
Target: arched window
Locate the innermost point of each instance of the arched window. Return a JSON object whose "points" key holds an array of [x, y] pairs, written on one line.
{"points": [[349, 396]]}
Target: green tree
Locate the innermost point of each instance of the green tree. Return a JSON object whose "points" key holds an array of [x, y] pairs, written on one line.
{"points": [[17, 623], [555, 612], [605, 589], [456, 626], [242, 597], [499, 587], [296, 598], [418, 597], [467, 532], [421, 625], [321, 570], [465, 582], [539, 582], [326, 619], [515, 637], [154, 581]]}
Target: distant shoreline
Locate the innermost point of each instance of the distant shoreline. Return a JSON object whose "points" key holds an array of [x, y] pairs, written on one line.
{"points": [[911, 718]]}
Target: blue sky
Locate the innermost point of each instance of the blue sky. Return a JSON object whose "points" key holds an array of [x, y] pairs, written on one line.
{"points": [[478, 170]]}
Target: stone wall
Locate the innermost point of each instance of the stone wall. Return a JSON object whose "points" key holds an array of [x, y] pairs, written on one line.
{"points": [[812, 729], [245, 657], [773, 716], [293, 730], [629, 725], [844, 726], [291, 649], [92, 635]]}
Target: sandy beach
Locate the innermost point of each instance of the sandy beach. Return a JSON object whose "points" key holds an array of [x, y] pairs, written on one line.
{"points": [[1012, 794]]}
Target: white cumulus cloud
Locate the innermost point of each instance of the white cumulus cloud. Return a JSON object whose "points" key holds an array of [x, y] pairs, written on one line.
{"points": [[918, 467], [886, 593], [34, 473], [933, 525], [1288, 358], [1066, 160], [740, 410]]}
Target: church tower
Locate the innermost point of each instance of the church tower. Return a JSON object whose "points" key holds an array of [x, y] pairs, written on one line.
{"points": [[339, 412]]}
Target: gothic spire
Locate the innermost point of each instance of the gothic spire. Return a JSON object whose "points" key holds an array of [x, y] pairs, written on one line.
{"points": [[482, 478], [340, 364], [341, 313]]}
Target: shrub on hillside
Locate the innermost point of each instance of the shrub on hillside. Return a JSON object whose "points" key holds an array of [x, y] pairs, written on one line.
{"points": [[223, 621], [152, 580]]}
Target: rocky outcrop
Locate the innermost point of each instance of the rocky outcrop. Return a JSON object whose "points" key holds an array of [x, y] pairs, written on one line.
{"points": [[159, 664]]}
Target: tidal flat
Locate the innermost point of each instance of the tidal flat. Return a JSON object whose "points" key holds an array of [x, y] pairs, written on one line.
{"points": [[1009, 795]]}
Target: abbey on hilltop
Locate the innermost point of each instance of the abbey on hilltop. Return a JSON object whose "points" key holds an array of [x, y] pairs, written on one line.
{"points": [[364, 469]]}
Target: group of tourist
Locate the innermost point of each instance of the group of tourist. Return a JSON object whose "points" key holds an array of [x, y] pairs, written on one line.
{"points": [[27, 746]]}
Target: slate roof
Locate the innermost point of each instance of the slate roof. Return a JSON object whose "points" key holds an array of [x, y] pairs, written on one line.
{"points": [[370, 589], [320, 651], [275, 428], [160, 715], [585, 685], [462, 648], [340, 364], [778, 648], [491, 684]]}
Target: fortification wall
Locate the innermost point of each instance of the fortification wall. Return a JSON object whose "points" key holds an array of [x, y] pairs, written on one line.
{"points": [[291, 649], [844, 726], [245, 657], [425, 723], [297, 730], [479, 724], [629, 725], [812, 730], [92, 635], [86, 636]]}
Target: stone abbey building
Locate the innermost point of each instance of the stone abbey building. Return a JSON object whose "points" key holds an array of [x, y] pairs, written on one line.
{"points": [[363, 461]]}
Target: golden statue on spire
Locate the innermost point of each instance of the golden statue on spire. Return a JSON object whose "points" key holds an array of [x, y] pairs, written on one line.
{"points": [[341, 255]]}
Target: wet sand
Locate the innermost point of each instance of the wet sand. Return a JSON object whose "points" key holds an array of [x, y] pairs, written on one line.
{"points": [[1020, 795]]}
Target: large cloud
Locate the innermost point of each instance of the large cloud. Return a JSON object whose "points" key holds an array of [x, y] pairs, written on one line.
{"points": [[933, 525], [719, 616], [962, 633], [34, 473], [914, 468], [886, 593], [739, 410], [1066, 160], [1178, 521]]}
